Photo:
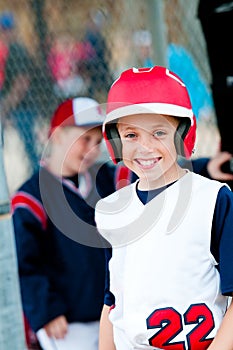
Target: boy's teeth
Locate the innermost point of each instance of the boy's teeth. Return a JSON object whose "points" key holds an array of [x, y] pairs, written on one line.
{"points": [[146, 162]]}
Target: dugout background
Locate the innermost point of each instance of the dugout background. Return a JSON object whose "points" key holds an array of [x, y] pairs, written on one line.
{"points": [[177, 41]]}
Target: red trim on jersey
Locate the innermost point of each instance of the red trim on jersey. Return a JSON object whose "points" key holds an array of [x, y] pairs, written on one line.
{"points": [[122, 177], [111, 308], [25, 200]]}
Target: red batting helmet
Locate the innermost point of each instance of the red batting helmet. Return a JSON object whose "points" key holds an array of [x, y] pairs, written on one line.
{"points": [[149, 90]]}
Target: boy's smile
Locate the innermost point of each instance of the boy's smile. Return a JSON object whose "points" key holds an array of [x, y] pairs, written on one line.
{"points": [[147, 163]]}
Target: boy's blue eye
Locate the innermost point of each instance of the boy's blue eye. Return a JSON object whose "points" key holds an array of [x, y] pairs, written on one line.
{"points": [[130, 135], [159, 133]]}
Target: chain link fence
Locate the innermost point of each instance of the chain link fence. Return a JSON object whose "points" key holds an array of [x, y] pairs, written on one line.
{"points": [[64, 48]]}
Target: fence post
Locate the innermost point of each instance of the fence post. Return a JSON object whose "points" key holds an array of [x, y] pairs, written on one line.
{"points": [[40, 29], [156, 24], [11, 314]]}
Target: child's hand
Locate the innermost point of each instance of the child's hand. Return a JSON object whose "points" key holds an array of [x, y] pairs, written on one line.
{"points": [[57, 328], [215, 164]]}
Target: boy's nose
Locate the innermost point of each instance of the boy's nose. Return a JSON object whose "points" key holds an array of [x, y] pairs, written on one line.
{"points": [[147, 143]]}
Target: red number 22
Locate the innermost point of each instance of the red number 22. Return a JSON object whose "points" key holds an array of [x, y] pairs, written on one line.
{"points": [[170, 323]]}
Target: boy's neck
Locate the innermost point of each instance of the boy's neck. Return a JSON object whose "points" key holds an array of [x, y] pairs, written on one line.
{"points": [[162, 181]]}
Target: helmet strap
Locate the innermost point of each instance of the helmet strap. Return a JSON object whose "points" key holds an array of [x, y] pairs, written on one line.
{"points": [[115, 141], [180, 134]]}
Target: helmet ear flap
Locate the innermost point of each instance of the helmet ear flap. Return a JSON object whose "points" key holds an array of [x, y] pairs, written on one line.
{"points": [[180, 135], [114, 142]]}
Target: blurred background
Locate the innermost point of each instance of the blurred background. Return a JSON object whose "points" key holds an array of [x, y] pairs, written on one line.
{"points": [[67, 48]]}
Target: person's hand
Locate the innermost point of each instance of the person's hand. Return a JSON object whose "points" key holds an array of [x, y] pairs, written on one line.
{"points": [[57, 328], [214, 167]]}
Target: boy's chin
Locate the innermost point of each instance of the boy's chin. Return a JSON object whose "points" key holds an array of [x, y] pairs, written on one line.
{"points": [[149, 175], [150, 181]]}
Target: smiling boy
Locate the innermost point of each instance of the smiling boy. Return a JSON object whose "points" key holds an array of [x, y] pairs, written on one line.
{"points": [[170, 276]]}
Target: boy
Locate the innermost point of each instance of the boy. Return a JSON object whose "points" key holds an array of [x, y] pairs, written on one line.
{"points": [[171, 230], [61, 262]]}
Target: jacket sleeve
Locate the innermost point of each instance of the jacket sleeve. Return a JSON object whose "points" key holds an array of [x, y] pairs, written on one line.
{"points": [[40, 302], [109, 298], [198, 165]]}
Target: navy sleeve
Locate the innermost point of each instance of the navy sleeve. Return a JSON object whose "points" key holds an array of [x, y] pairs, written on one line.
{"points": [[109, 298], [198, 166], [40, 303], [222, 238]]}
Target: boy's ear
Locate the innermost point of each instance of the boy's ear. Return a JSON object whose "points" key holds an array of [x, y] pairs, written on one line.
{"points": [[57, 135]]}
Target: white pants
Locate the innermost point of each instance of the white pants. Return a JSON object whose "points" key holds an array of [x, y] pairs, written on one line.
{"points": [[80, 336]]}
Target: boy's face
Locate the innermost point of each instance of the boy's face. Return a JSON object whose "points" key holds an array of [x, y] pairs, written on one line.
{"points": [[148, 147], [79, 149]]}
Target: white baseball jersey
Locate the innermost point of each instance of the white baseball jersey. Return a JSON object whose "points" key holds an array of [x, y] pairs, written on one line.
{"points": [[162, 273]]}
